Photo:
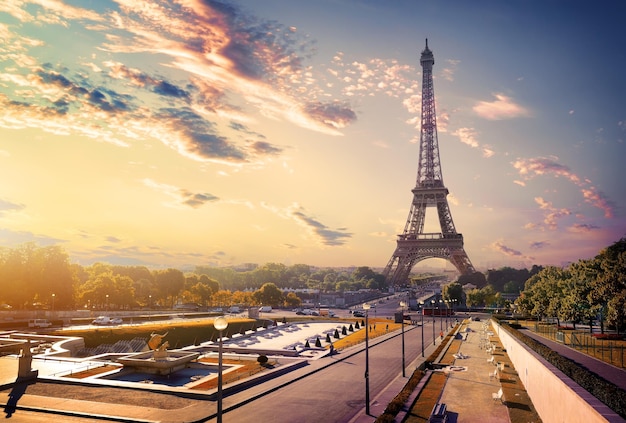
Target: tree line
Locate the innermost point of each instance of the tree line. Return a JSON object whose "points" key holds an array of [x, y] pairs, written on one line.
{"points": [[43, 277], [593, 289]]}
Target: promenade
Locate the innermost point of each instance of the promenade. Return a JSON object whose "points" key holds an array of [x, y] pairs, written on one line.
{"points": [[471, 378]]}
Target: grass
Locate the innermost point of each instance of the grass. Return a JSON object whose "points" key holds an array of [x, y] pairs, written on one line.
{"points": [[428, 397], [378, 326], [179, 333]]}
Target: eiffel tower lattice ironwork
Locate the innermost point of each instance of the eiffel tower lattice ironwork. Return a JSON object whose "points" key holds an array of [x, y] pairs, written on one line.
{"points": [[413, 245]]}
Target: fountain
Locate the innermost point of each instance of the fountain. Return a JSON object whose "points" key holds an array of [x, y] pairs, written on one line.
{"points": [[159, 360]]}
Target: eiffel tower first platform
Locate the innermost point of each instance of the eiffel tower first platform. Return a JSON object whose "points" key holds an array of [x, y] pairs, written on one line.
{"points": [[414, 245]]}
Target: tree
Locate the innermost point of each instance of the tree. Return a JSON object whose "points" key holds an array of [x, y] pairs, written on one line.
{"points": [[244, 297], [475, 278], [292, 300], [59, 279], [269, 294], [201, 293], [169, 284], [453, 291], [609, 285], [222, 298]]}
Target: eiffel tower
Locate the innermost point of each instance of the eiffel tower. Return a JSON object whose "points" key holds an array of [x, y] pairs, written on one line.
{"points": [[414, 245]]}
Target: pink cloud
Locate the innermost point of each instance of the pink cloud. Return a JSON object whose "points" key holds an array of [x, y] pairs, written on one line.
{"points": [[544, 166], [502, 107]]}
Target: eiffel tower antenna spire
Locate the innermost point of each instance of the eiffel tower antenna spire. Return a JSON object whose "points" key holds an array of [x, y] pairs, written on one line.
{"points": [[414, 245]]}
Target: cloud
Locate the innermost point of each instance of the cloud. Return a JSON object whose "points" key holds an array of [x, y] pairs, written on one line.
{"points": [[327, 236], [227, 64], [508, 251], [9, 237], [540, 166], [537, 245], [502, 107], [582, 228], [448, 72], [335, 114], [551, 214], [196, 200], [322, 233], [6, 206], [467, 136], [193, 136], [180, 195], [265, 148]]}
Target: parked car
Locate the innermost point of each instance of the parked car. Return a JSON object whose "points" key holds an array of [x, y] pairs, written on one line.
{"points": [[106, 321], [265, 309], [39, 323], [358, 313]]}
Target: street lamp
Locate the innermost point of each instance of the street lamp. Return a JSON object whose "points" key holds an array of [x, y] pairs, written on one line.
{"points": [[402, 305], [366, 307], [447, 309], [107, 302], [432, 303], [440, 317], [422, 307], [220, 324], [53, 295]]}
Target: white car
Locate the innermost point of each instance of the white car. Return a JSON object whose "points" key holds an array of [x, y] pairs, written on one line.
{"points": [[106, 320], [265, 309], [39, 323]]}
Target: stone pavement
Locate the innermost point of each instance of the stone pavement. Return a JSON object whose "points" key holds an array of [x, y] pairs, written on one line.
{"points": [[468, 393]]}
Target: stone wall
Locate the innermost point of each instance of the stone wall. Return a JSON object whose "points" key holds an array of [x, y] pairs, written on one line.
{"points": [[555, 396]]}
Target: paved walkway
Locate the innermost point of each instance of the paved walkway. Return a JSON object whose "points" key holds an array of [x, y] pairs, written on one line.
{"points": [[468, 393]]}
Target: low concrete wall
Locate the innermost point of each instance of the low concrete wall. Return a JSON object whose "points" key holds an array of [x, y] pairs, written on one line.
{"points": [[555, 396]]}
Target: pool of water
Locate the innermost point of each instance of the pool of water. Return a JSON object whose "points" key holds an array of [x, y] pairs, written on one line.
{"points": [[178, 378]]}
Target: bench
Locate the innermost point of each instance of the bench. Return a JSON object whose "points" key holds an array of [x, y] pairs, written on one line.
{"points": [[439, 414]]}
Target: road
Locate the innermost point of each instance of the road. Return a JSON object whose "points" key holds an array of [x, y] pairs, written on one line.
{"points": [[335, 393]]}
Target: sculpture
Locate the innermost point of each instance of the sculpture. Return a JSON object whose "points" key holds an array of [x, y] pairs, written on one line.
{"points": [[159, 351], [155, 341]]}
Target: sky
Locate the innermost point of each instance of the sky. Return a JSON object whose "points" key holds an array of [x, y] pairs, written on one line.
{"points": [[198, 132]]}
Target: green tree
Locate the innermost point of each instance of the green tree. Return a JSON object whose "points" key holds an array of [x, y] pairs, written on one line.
{"points": [[609, 286], [201, 293], [453, 291], [269, 294], [169, 284], [292, 300]]}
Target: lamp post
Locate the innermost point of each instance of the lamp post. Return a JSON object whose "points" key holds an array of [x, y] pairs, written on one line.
{"points": [[107, 308], [422, 307], [403, 305], [220, 324], [53, 295], [366, 307], [447, 309], [432, 303], [440, 317]]}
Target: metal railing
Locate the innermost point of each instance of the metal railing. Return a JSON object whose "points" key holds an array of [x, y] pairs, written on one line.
{"points": [[607, 350]]}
